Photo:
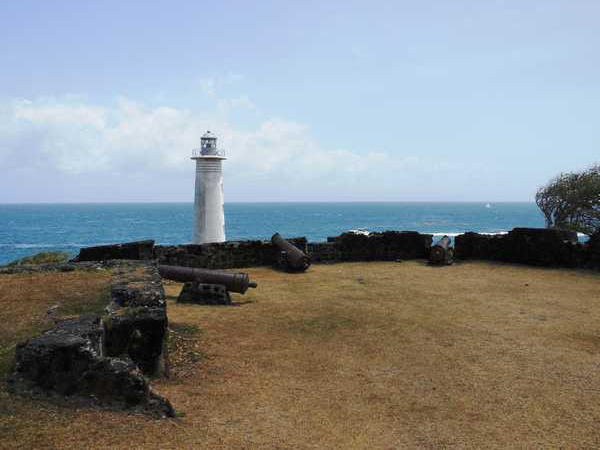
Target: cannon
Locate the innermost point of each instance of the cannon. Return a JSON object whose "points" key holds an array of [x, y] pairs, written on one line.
{"points": [[291, 257], [441, 252], [206, 286]]}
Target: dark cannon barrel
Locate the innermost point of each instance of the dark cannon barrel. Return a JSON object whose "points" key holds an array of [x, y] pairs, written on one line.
{"points": [[233, 281], [441, 253], [295, 259]]}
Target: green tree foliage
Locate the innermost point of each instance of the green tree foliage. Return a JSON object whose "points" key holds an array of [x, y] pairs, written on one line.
{"points": [[572, 201]]}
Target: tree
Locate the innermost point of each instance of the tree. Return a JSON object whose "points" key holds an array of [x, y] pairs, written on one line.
{"points": [[572, 201]]}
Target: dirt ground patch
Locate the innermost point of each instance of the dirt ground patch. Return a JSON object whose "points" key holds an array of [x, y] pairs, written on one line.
{"points": [[364, 355]]}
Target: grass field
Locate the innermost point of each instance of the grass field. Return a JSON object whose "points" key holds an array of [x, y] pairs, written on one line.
{"points": [[369, 355], [29, 303]]}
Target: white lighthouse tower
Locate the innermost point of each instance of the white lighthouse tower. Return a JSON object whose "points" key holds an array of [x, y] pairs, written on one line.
{"points": [[209, 217]]}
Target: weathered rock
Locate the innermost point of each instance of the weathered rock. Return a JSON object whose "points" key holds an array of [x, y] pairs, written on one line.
{"points": [[136, 324], [119, 384], [204, 294], [138, 285], [68, 361], [57, 359], [139, 250], [140, 334]]}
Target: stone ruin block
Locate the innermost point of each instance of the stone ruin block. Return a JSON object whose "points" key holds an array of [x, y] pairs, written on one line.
{"points": [[57, 359], [137, 285], [136, 323], [204, 294], [68, 361], [103, 360], [138, 333]]}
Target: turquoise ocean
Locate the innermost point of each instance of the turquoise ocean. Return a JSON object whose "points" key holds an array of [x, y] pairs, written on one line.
{"points": [[26, 229]]}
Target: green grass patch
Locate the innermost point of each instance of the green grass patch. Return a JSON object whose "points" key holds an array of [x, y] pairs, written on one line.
{"points": [[42, 258]]}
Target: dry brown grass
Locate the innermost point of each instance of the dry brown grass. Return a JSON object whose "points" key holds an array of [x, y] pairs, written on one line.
{"points": [[378, 355], [26, 298]]}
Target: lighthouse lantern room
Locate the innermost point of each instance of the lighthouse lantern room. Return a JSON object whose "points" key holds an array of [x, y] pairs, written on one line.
{"points": [[209, 216]]}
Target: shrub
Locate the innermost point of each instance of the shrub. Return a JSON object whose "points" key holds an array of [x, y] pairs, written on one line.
{"points": [[572, 201]]}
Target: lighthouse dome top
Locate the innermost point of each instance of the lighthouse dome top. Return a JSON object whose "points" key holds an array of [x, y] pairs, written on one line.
{"points": [[208, 148]]}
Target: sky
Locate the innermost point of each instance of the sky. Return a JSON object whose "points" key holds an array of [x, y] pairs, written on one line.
{"points": [[311, 101]]}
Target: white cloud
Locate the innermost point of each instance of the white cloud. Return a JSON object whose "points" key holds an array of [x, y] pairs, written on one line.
{"points": [[74, 137], [80, 138]]}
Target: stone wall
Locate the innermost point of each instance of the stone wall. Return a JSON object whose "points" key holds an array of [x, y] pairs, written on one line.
{"points": [[322, 252], [226, 255], [102, 360], [138, 250], [385, 246], [593, 253], [532, 246]]}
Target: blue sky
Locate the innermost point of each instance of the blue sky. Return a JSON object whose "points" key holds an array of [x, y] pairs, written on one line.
{"points": [[408, 101]]}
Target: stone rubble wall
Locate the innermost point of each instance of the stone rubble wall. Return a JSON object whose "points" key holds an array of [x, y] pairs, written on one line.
{"points": [[103, 360], [226, 255], [138, 250], [386, 246], [593, 251], [323, 252], [531, 246]]}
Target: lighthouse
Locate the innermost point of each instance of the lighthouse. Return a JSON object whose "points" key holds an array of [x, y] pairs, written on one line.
{"points": [[209, 217]]}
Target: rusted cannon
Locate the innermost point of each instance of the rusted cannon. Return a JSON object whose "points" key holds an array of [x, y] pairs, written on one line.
{"points": [[291, 257], [232, 281], [441, 252]]}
